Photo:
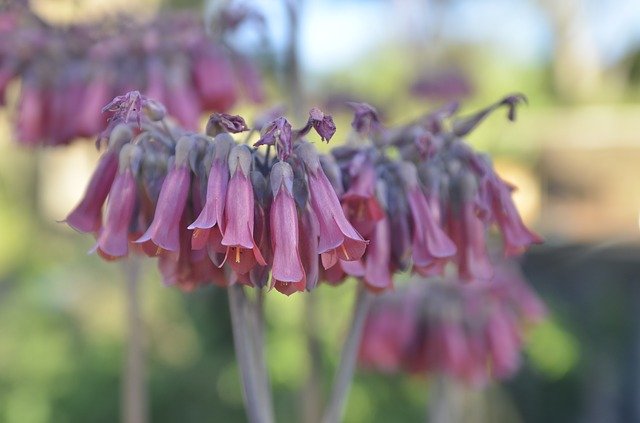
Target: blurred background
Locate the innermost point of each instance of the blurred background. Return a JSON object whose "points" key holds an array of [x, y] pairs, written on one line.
{"points": [[574, 154]]}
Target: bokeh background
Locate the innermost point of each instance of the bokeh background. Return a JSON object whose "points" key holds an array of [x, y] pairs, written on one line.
{"points": [[574, 154]]}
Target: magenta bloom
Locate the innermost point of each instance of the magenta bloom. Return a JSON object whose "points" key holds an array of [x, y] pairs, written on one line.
{"points": [[430, 243], [362, 206], [377, 276], [308, 233], [213, 212], [165, 228], [87, 216], [242, 252], [113, 240], [287, 271], [338, 239], [515, 234]]}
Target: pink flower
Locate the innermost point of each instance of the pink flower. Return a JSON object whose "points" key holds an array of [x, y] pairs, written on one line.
{"points": [[377, 275], [362, 206], [113, 240], [287, 270], [165, 228], [212, 215], [242, 253], [431, 245], [308, 233], [338, 239], [87, 216]]}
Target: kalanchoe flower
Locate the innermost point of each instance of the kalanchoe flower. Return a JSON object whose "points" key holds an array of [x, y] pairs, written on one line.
{"points": [[278, 134], [308, 234], [131, 107], [338, 239], [431, 246], [164, 231], [468, 232], [213, 211], [287, 271], [515, 234], [87, 216], [323, 125], [242, 252], [360, 203], [222, 122], [365, 119], [463, 126], [113, 240]]}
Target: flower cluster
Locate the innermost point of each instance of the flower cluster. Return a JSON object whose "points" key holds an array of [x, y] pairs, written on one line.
{"points": [[471, 332], [67, 74], [217, 210]]}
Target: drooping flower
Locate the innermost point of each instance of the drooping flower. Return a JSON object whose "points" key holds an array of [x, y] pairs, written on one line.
{"points": [[212, 213], [164, 231], [287, 270], [278, 134], [361, 205], [87, 216], [242, 253], [338, 239], [113, 240], [431, 245]]}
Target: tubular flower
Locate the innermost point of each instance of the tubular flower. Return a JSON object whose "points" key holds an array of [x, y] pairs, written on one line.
{"points": [[338, 239], [164, 231], [431, 245], [287, 271], [87, 216], [211, 216], [113, 240], [216, 211], [242, 253], [470, 332]]}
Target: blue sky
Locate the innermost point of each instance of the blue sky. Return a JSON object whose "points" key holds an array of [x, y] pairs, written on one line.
{"points": [[336, 33]]}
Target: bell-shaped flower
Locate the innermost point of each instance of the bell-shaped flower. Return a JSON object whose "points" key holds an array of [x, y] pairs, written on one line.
{"points": [[431, 245], [287, 271], [360, 203], [212, 214], [113, 241], [242, 253], [338, 238], [164, 231], [87, 216]]}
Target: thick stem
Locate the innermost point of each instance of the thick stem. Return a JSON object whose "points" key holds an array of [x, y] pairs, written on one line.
{"points": [[134, 395], [347, 367], [256, 410]]}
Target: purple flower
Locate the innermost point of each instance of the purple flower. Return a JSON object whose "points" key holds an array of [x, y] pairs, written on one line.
{"points": [[242, 252], [87, 216], [309, 232], [430, 243], [360, 202], [287, 270], [338, 239], [222, 122], [365, 119], [212, 213], [164, 231], [113, 240], [515, 235], [377, 275], [131, 106], [323, 125], [278, 134]]}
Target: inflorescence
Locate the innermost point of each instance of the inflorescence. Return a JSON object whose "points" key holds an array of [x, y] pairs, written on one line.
{"points": [[280, 214], [470, 332], [67, 74]]}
